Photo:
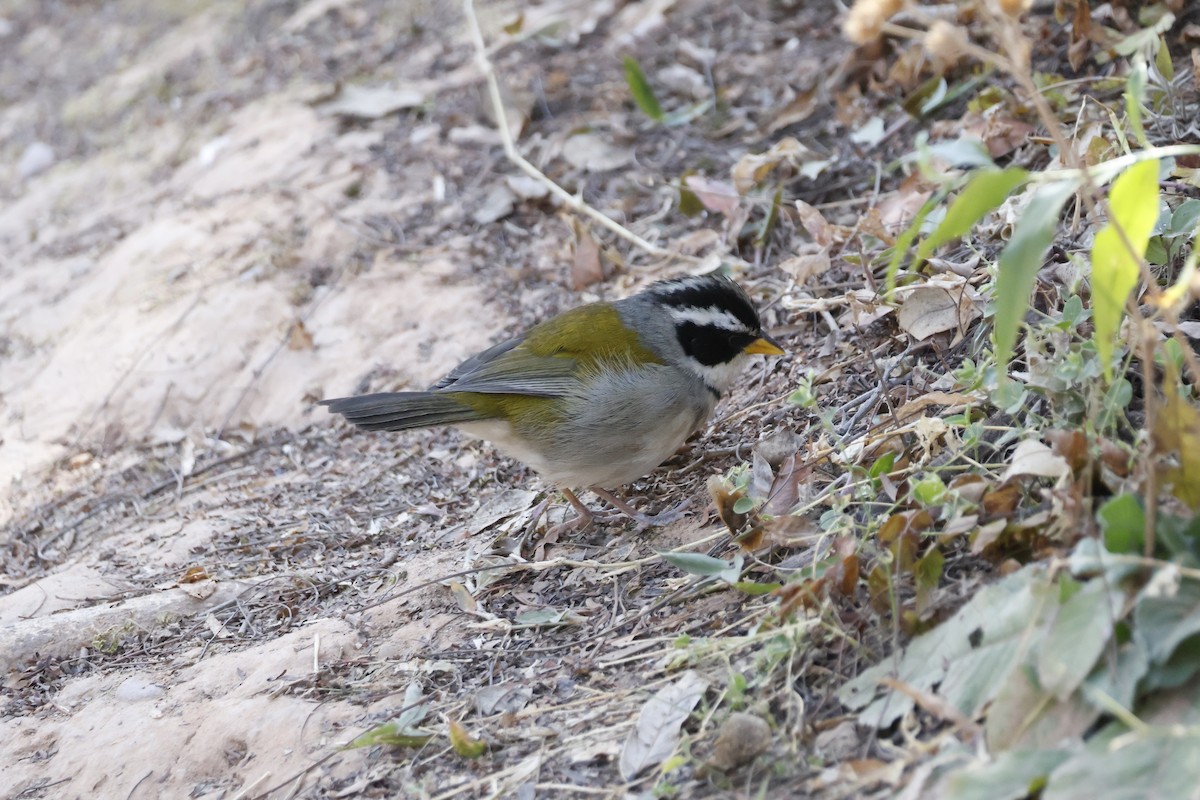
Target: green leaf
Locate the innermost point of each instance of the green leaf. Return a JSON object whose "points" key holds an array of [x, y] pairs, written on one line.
{"points": [[907, 237], [743, 505], [689, 203], [639, 87], [1078, 635], [390, 734], [1167, 613], [1021, 260], [547, 617], [1162, 60], [1178, 536], [1118, 679], [927, 573], [928, 569], [1023, 714], [1156, 252], [1178, 670], [1134, 205], [1186, 218], [463, 743], [966, 151], [1145, 39], [704, 565], [986, 189], [929, 490], [968, 657], [1012, 775], [688, 113], [1135, 97], [927, 97], [756, 589], [1156, 763], [882, 466], [1124, 524]]}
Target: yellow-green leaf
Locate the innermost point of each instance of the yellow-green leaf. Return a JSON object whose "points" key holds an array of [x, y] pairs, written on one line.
{"points": [[1162, 60], [1135, 97], [1021, 260], [1177, 429], [754, 589], [639, 87], [390, 734], [907, 237], [986, 190], [1134, 206], [464, 744], [689, 203]]}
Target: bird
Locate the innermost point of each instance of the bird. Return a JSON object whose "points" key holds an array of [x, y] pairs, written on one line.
{"points": [[598, 395]]}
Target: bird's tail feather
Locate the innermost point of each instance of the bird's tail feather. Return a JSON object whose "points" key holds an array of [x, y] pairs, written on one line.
{"points": [[397, 411]]}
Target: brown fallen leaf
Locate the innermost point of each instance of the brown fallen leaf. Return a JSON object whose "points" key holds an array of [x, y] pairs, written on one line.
{"points": [[717, 196], [949, 399], [362, 102], [751, 170], [194, 575], [586, 266], [934, 705], [820, 229], [299, 338], [930, 310], [1002, 500], [1071, 445], [1031, 457], [592, 153], [798, 109], [657, 731], [803, 266]]}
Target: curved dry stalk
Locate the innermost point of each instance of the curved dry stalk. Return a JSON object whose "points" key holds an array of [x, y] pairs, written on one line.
{"points": [[510, 150]]}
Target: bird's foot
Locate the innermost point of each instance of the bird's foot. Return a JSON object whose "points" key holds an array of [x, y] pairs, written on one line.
{"points": [[652, 520], [582, 519]]}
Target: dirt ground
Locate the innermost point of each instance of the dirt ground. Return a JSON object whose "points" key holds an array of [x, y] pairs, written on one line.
{"points": [[210, 586], [196, 248]]}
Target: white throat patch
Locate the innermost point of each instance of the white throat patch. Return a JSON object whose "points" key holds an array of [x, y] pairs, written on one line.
{"points": [[719, 376]]}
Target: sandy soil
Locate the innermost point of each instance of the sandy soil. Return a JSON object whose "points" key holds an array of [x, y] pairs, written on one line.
{"points": [[195, 249], [193, 264]]}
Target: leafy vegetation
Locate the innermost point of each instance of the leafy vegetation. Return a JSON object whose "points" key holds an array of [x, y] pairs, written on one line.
{"points": [[1068, 458], [958, 544]]}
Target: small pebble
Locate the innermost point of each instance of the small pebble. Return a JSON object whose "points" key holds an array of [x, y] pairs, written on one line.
{"points": [[743, 737], [838, 744], [38, 157]]}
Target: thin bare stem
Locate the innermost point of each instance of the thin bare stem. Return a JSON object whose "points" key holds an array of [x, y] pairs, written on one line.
{"points": [[510, 150]]}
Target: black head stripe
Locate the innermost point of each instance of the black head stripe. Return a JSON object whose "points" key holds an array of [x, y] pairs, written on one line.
{"points": [[708, 291]]}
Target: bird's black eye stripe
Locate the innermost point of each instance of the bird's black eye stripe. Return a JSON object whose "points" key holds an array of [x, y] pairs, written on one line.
{"points": [[710, 345], [715, 293]]}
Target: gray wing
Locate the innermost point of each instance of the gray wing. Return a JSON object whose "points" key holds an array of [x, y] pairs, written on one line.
{"points": [[508, 368]]}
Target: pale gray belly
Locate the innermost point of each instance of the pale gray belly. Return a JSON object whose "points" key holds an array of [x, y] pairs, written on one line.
{"points": [[618, 428]]}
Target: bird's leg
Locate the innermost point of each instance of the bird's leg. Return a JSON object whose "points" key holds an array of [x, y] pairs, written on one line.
{"points": [[583, 518], [586, 517], [662, 518], [539, 511]]}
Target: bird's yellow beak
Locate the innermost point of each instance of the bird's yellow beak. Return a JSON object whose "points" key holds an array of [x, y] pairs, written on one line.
{"points": [[764, 346]]}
